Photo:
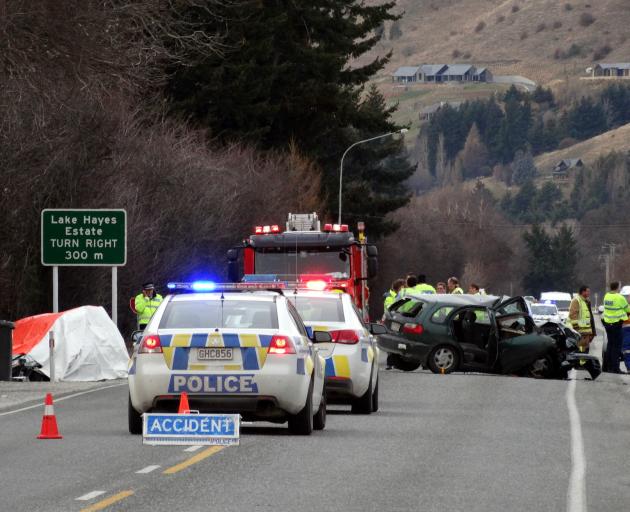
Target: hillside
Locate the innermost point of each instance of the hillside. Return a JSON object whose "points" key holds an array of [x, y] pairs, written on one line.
{"points": [[525, 37], [588, 150]]}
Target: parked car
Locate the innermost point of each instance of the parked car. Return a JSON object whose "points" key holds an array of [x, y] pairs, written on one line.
{"points": [[446, 333], [543, 313]]}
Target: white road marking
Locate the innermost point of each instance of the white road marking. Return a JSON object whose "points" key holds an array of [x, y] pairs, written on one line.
{"points": [[63, 398], [148, 469], [193, 448], [90, 496], [576, 494]]}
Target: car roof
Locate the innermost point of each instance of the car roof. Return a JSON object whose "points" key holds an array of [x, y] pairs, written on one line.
{"points": [[235, 296], [317, 294], [555, 295], [456, 299]]}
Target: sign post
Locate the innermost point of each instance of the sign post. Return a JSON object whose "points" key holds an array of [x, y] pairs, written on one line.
{"points": [[84, 238]]}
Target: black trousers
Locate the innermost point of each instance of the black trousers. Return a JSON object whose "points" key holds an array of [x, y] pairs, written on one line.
{"points": [[614, 335]]}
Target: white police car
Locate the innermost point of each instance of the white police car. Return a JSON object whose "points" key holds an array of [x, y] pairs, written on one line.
{"points": [[238, 350], [352, 356]]}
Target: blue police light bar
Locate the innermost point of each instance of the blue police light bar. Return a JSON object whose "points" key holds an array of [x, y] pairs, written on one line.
{"points": [[210, 286], [261, 278], [204, 286]]}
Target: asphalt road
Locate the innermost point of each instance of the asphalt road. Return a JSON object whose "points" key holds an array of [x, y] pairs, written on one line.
{"points": [[439, 443]]}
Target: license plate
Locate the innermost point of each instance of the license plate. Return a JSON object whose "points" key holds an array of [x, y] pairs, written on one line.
{"points": [[395, 326], [215, 354]]}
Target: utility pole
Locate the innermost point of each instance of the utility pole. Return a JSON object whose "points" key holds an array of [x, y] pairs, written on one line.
{"points": [[609, 261]]}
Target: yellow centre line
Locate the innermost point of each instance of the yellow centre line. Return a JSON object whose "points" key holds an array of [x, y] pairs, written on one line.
{"points": [[193, 460], [108, 501]]}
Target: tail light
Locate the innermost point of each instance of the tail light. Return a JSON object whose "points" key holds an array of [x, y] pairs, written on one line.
{"points": [[150, 344], [345, 336], [280, 345], [413, 329]]}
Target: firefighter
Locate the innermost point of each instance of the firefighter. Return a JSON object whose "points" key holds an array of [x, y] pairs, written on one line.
{"points": [[453, 286], [616, 311], [146, 303], [581, 317], [423, 286], [390, 296]]}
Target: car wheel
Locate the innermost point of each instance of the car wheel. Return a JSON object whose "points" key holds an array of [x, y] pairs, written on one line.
{"points": [[443, 359], [541, 368], [319, 420], [363, 404], [406, 365], [135, 419], [375, 397], [302, 422]]}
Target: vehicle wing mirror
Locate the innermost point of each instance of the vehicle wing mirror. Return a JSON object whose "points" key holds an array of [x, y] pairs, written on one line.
{"points": [[372, 251], [232, 255], [377, 329], [372, 267], [321, 337], [136, 336]]}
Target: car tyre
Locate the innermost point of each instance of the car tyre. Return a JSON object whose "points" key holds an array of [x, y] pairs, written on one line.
{"points": [[302, 423], [542, 368], [135, 420], [363, 404], [375, 397], [406, 365], [319, 420], [443, 358]]}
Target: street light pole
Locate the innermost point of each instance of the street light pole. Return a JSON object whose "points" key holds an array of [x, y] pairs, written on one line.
{"points": [[402, 130]]}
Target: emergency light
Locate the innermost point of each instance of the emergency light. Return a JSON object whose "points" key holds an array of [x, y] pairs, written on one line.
{"points": [[209, 286], [265, 230], [338, 228]]}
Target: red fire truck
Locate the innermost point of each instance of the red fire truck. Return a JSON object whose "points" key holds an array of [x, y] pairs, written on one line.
{"points": [[331, 258]]}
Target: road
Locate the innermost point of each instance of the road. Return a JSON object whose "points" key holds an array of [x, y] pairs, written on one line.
{"points": [[439, 443]]}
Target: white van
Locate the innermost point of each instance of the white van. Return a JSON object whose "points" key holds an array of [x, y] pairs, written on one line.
{"points": [[562, 301]]}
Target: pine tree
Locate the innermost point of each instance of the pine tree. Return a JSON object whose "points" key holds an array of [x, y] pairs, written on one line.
{"points": [[540, 263], [564, 249], [523, 168], [285, 76], [474, 156], [587, 119]]}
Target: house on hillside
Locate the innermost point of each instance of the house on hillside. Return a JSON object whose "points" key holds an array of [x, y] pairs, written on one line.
{"points": [[406, 74], [432, 72], [563, 167], [458, 73], [619, 69], [482, 75]]}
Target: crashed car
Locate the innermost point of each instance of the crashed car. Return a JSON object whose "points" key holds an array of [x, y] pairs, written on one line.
{"points": [[447, 333]]}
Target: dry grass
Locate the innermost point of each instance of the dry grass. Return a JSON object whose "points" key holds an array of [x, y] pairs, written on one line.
{"points": [[588, 150], [499, 45]]}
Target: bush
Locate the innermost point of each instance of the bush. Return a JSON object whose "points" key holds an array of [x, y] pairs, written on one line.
{"points": [[541, 27], [467, 55], [456, 53], [524, 35], [395, 32], [601, 52], [587, 19], [575, 50], [500, 19], [480, 26], [515, 8], [557, 24], [568, 7]]}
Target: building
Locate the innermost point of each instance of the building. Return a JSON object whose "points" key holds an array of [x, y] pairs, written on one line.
{"points": [[406, 74], [435, 73], [562, 168], [619, 69]]}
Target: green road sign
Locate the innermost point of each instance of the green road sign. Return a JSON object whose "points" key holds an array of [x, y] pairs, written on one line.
{"points": [[84, 237]]}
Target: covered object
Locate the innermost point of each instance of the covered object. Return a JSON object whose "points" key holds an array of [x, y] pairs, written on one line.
{"points": [[88, 345]]}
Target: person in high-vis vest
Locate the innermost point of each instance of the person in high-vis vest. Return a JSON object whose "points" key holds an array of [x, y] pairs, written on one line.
{"points": [[616, 311], [390, 296], [423, 286], [581, 317], [440, 288], [453, 286], [146, 303]]}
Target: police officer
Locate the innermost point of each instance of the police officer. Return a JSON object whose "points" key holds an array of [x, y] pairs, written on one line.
{"points": [[146, 303], [423, 286], [581, 317], [453, 286], [616, 311]]}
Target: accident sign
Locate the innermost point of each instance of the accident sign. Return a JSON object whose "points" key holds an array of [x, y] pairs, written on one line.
{"points": [[84, 237], [193, 429]]}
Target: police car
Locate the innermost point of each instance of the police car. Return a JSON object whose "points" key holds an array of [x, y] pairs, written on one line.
{"points": [[234, 348], [352, 355]]}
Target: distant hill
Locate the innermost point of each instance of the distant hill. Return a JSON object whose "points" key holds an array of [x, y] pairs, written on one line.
{"points": [[540, 39], [588, 150]]}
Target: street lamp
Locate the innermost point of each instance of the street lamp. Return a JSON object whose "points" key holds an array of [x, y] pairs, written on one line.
{"points": [[401, 131]]}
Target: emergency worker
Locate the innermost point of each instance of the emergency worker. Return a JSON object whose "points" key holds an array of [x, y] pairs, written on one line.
{"points": [[581, 317], [440, 288], [423, 286], [453, 286], [616, 311], [390, 296], [474, 289], [146, 303], [410, 283]]}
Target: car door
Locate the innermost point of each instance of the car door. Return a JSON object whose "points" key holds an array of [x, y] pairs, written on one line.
{"points": [[510, 305]]}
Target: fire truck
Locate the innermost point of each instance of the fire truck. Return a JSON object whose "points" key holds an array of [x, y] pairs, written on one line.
{"points": [[331, 258]]}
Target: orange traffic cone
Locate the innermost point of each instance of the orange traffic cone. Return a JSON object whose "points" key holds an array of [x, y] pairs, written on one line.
{"points": [[184, 408], [49, 422]]}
